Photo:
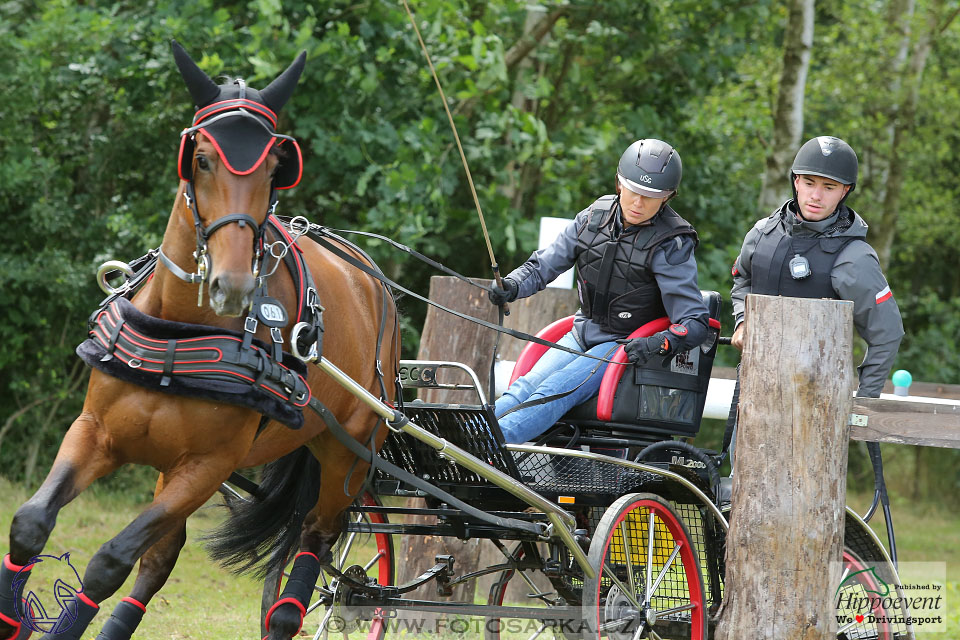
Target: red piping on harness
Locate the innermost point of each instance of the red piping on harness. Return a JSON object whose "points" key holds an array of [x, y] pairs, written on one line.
{"points": [[296, 145], [226, 162], [104, 340], [230, 105], [286, 236]]}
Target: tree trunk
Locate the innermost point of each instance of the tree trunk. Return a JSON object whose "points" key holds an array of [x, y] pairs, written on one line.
{"points": [[536, 27], [788, 111], [786, 530], [903, 120]]}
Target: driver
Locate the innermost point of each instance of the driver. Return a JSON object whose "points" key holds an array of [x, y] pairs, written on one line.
{"points": [[635, 263]]}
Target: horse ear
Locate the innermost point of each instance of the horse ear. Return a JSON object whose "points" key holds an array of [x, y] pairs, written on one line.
{"points": [[202, 88], [279, 91]]}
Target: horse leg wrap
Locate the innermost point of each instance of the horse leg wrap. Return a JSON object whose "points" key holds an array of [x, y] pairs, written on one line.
{"points": [[299, 587], [8, 602], [86, 609], [123, 621]]}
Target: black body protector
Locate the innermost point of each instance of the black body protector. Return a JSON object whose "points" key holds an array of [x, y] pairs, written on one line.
{"points": [[616, 286], [777, 271]]}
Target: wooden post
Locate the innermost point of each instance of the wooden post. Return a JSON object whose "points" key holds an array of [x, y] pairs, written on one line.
{"points": [[446, 337], [786, 532]]}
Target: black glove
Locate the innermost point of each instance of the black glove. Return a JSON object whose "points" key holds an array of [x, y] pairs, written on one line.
{"points": [[639, 350], [508, 293], [664, 343]]}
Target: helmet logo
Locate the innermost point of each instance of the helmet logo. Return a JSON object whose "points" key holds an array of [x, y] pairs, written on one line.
{"points": [[827, 145], [645, 179]]}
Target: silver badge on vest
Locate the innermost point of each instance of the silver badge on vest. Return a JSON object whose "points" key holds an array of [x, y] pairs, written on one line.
{"points": [[799, 267]]}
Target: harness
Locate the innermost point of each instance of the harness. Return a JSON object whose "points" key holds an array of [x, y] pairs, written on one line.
{"points": [[211, 362], [195, 360]]}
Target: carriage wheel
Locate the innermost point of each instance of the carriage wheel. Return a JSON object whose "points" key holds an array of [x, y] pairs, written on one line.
{"points": [[858, 588], [648, 581], [524, 628], [358, 554]]}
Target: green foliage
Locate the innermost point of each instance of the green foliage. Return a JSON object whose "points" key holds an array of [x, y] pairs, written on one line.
{"points": [[93, 106]]}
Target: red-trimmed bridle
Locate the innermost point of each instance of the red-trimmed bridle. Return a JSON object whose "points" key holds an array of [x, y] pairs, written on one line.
{"points": [[203, 118]]}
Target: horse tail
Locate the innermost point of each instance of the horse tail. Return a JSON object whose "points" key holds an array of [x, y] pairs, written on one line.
{"points": [[269, 523]]}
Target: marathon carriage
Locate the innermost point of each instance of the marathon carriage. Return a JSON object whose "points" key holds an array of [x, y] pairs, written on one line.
{"points": [[626, 523]]}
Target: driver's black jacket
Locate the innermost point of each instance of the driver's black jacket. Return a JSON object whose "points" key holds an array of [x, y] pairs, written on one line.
{"points": [[671, 263]]}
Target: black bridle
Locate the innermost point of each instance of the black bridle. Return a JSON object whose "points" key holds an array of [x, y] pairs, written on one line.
{"points": [[204, 232]]}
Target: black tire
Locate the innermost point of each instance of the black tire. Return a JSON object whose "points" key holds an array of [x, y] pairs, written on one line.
{"points": [[676, 605]]}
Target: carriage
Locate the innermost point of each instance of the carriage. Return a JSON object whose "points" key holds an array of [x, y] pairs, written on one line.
{"points": [[625, 522]]}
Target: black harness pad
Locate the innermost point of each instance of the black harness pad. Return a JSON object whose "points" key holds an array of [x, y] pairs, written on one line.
{"points": [[196, 361]]}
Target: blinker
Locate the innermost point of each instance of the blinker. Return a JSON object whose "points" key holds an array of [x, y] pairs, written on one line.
{"points": [[243, 137]]}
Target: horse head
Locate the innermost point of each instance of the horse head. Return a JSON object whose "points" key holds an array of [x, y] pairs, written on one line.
{"points": [[232, 162]]}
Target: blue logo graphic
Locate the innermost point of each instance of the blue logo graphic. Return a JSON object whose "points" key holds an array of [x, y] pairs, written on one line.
{"points": [[67, 584]]}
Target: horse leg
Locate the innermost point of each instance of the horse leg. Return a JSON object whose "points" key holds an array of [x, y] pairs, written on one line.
{"points": [[186, 488], [321, 529], [155, 567], [79, 462]]}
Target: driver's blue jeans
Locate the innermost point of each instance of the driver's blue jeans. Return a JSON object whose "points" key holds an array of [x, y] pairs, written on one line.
{"points": [[555, 372]]}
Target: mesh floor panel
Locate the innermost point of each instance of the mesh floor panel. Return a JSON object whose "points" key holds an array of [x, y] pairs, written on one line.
{"points": [[466, 427], [565, 474]]}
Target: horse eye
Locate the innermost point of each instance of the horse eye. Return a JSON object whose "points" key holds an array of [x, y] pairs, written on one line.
{"points": [[202, 163]]}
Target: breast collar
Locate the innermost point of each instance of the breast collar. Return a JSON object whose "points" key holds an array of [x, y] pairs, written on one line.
{"points": [[264, 366]]}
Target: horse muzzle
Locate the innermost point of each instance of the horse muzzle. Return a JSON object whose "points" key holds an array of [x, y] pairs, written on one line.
{"points": [[231, 293]]}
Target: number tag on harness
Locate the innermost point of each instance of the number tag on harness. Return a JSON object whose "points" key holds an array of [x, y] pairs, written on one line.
{"points": [[271, 312], [686, 362]]}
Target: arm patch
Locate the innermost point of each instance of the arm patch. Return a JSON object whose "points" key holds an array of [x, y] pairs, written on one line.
{"points": [[677, 250]]}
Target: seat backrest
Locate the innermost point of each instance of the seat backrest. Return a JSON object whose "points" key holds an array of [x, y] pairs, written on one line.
{"points": [[657, 397], [663, 396]]}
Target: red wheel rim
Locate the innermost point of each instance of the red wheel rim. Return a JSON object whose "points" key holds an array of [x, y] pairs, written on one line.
{"points": [[686, 555]]}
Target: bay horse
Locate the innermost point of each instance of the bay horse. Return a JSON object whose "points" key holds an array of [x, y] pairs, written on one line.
{"points": [[232, 161]]}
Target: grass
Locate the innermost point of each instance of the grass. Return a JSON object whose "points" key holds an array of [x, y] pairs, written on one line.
{"points": [[201, 600]]}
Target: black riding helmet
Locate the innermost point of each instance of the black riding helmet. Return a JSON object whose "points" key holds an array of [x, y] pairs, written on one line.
{"points": [[827, 157], [651, 168]]}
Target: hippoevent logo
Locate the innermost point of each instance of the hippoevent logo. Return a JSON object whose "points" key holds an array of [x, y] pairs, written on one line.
{"points": [[40, 614], [872, 599]]}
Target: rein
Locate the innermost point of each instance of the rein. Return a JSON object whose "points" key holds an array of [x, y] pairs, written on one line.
{"points": [[319, 234]]}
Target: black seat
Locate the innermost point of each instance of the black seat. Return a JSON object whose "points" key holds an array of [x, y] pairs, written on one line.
{"points": [[651, 402]]}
